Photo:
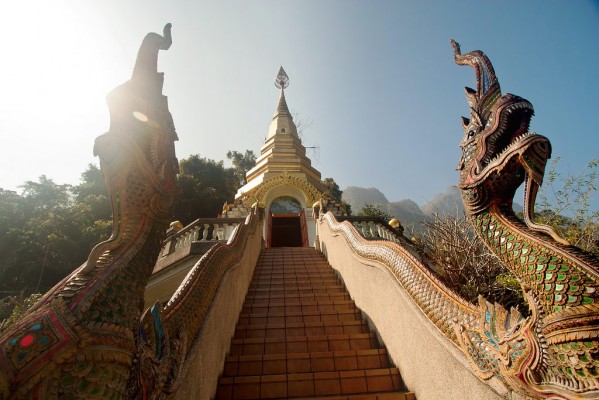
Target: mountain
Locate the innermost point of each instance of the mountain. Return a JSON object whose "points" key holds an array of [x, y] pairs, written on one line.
{"points": [[358, 196], [449, 203], [407, 211], [446, 203]]}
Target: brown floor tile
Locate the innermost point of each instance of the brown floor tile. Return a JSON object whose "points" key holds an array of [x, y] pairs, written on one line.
{"points": [[353, 384], [301, 330], [300, 387], [273, 386], [224, 392], [246, 388], [324, 387], [298, 363]]}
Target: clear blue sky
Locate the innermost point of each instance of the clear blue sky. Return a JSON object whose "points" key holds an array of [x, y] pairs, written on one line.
{"points": [[376, 79]]}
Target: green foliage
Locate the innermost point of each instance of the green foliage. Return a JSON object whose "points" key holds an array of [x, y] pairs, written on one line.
{"points": [[466, 265], [204, 186], [334, 194], [332, 189], [565, 204], [12, 308], [49, 229], [242, 163], [375, 210]]}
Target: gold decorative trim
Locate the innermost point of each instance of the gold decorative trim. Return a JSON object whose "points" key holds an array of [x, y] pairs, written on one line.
{"points": [[260, 192]]}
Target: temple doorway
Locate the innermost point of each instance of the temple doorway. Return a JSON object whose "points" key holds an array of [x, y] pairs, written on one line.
{"points": [[286, 224]]}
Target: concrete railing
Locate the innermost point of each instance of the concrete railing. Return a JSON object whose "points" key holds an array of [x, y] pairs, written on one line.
{"points": [[204, 229], [411, 310], [373, 228], [207, 304]]}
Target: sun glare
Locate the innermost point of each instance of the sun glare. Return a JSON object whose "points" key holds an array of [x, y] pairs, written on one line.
{"points": [[55, 77]]}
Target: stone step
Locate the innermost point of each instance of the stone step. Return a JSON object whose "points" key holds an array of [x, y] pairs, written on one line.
{"points": [[328, 361], [372, 396], [313, 384], [305, 289], [282, 330], [291, 301], [303, 344], [275, 307], [300, 335], [283, 283], [299, 297], [299, 317]]}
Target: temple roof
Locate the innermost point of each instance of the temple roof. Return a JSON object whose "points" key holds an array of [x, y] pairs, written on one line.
{"points": [[282, 152]]}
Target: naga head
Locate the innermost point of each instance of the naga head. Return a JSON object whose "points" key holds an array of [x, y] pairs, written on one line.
{"points": [[496, 121]]}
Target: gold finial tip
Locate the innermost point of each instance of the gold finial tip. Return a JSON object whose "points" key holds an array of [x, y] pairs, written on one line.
{"points": [[282, 80]]}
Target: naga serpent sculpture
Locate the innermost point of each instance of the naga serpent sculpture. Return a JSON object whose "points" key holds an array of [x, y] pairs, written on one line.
{"points": [[554, 353], [84, 339]]}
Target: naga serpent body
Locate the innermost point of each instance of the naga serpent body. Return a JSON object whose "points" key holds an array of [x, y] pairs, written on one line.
{"points": [[83, 338], [554, 353]]}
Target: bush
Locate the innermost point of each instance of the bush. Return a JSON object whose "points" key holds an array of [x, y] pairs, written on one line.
{"points": [[466, 265]]}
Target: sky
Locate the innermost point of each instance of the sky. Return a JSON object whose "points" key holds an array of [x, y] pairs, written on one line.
{"points": [[374, 80]]}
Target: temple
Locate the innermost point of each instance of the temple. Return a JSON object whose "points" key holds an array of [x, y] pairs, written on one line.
{"points": [[283, 295]]}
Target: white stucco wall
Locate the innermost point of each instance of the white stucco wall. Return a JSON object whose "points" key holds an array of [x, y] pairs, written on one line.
{"points": [[430, 364]]}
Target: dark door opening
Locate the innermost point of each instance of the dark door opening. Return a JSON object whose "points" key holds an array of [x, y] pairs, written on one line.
{"points": [[285, 230]]}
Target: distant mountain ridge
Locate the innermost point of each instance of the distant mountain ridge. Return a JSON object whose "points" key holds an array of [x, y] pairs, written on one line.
{"points": [[408, 211]]}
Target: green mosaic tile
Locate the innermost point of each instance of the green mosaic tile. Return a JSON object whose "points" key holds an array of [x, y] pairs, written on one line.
{"points": [[572, 299]]}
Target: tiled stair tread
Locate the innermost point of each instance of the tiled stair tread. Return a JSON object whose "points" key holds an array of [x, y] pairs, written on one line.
{"points": [[294, 301], [310, 384], [300, 335], [311, 312], [277, 273], [303, 344], [303, 316], [275, 308], [296, 283], [372, 396], [291, 288], [293, 325], [271, 364], [300, 329], [295, 296]]}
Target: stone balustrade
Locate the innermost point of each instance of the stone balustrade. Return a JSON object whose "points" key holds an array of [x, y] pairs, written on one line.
{"points": [[413, 311], [203, 229], [374, 228]]}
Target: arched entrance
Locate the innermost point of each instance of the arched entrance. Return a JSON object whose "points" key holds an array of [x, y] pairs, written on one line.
{"points": [[286, 224]]}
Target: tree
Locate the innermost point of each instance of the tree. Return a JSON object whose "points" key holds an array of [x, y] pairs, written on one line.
{"points": [[376, 211], [12, 308], [48, 231], [242, 163], [565, 204], [333, 191], [466, 265], [204, 186]]}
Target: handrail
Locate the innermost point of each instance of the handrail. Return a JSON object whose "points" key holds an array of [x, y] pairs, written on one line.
{"points": [[189, 304], [438, 302], [376, 228], [412, 309], [202, 229]]}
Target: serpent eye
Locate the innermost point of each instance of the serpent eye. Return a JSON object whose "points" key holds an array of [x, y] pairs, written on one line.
{"points": [[470, 134]]}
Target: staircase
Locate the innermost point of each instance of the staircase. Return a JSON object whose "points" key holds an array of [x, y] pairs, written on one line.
{"points": [[300, 335]]}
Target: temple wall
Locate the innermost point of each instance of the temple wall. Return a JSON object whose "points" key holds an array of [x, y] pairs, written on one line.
{"points": [[430, 364], [206, 358]]}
